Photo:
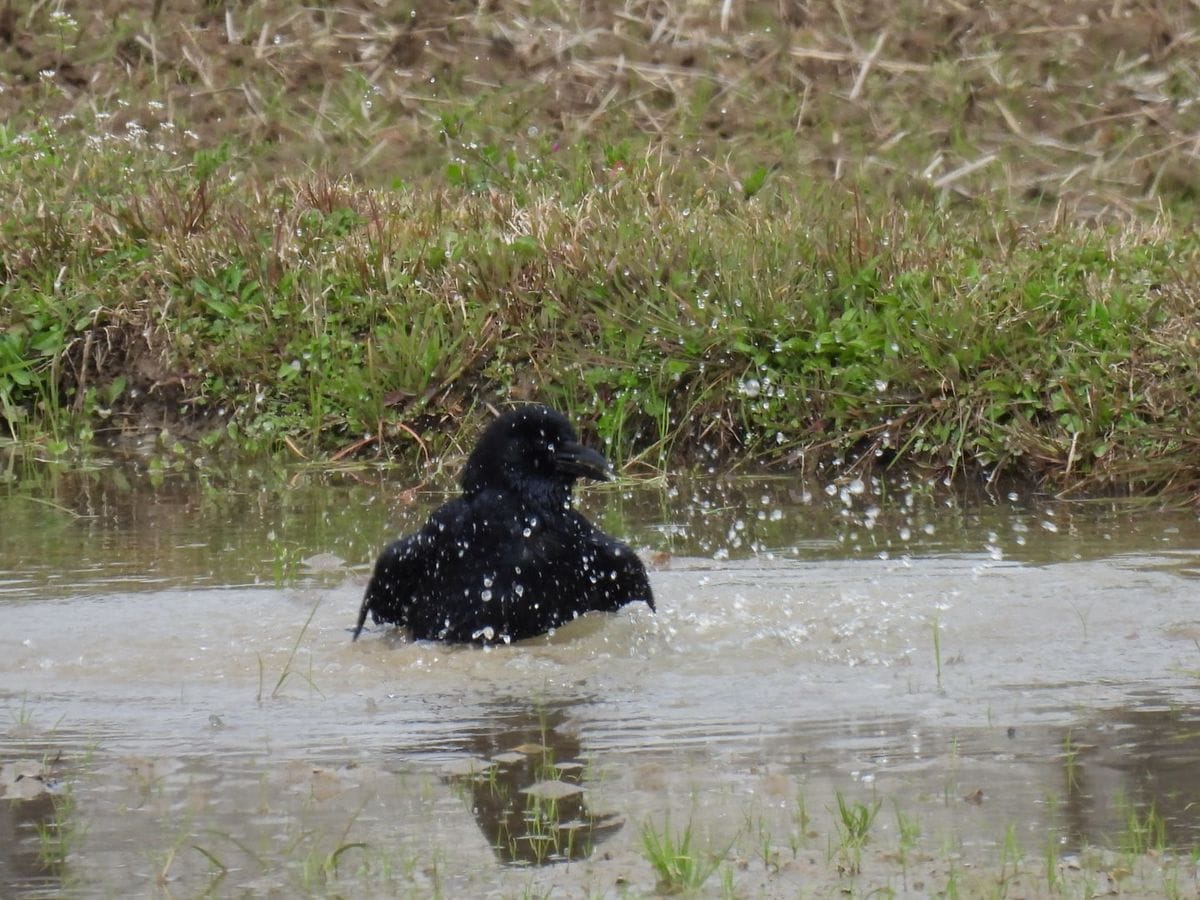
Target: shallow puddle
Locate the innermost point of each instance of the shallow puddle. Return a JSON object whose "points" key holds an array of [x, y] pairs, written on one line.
{"points": [[1011, 684]]}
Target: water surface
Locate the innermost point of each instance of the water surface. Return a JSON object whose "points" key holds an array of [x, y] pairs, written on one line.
{"points": [[175, 651]]}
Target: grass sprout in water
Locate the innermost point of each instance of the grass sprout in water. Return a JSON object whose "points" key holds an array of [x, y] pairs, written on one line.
{"points": [[854, 830], [678, 864], [287, 666]]}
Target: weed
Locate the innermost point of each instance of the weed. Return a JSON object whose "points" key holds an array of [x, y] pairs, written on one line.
{"points": [[950, 892], [1144, 831], [287, 671], [23, 718], [678, 865], [1051, 860], [854, 830], [908, 832], [937, 650], [1010, 856], [61, 833], [764, 841], [1082, 615], [1070, 757], [801, 824]]}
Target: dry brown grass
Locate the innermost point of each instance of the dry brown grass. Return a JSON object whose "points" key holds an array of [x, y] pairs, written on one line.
{"points": [[1092, 104]]}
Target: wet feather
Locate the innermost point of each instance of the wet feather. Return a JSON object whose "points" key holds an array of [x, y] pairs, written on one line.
{"points": [[510, 558]]}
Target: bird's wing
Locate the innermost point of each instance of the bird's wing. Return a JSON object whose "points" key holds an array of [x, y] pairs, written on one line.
{"points": [[630, 582], [407, 564]]}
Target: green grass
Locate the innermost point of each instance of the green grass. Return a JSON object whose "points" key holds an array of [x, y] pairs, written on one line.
{"points": [[287, 671], [854, 823], [677, 862], [1145, 831], [677, 336], [60, 833], [707, 235]]}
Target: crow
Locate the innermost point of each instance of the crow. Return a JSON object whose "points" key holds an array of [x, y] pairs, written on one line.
{"points": [[510, 558]]}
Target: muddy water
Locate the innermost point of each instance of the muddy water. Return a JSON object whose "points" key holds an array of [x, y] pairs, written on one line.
{"points": [[176, 672]]}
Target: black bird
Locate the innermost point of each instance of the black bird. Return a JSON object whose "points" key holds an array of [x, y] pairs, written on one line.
{"points": [[510, 558]]}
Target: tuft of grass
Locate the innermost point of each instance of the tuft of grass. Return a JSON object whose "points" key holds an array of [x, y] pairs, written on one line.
{"points": [[1071, 766], [1051, 859], [937, 649], [288, 671], [1145, 831], [854, 824], [678, 864], [61, 833], [1011, 856], [908, 831], [801, 824]]}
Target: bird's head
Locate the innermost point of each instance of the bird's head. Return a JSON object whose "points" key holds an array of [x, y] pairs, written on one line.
{"points": [[535, 451]]}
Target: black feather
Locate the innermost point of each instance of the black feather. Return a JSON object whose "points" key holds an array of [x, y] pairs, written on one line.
{"points": [[510, 558]]}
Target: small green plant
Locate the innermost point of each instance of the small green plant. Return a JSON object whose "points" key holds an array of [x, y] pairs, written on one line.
{"points": [[285, 561], [287, 666], [679, 865], [950, 892], [854, 830], [908, 832], [23, 717], [1070, 757], [59, 834], [1050, 857], [1144, 832], [321, 868], [764, 841], [1010, 856], [727, 888], [801, 823], [937, 649], [543, 831]]}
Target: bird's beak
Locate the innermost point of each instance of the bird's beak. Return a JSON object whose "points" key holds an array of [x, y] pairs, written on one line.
{"points": [[582, 462]]}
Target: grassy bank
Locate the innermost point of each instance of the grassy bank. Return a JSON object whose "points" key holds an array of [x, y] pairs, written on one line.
{"points": [[905, 234]]}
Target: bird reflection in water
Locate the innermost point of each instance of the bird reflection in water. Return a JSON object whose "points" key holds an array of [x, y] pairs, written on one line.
{"points": [[525, 778]]}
